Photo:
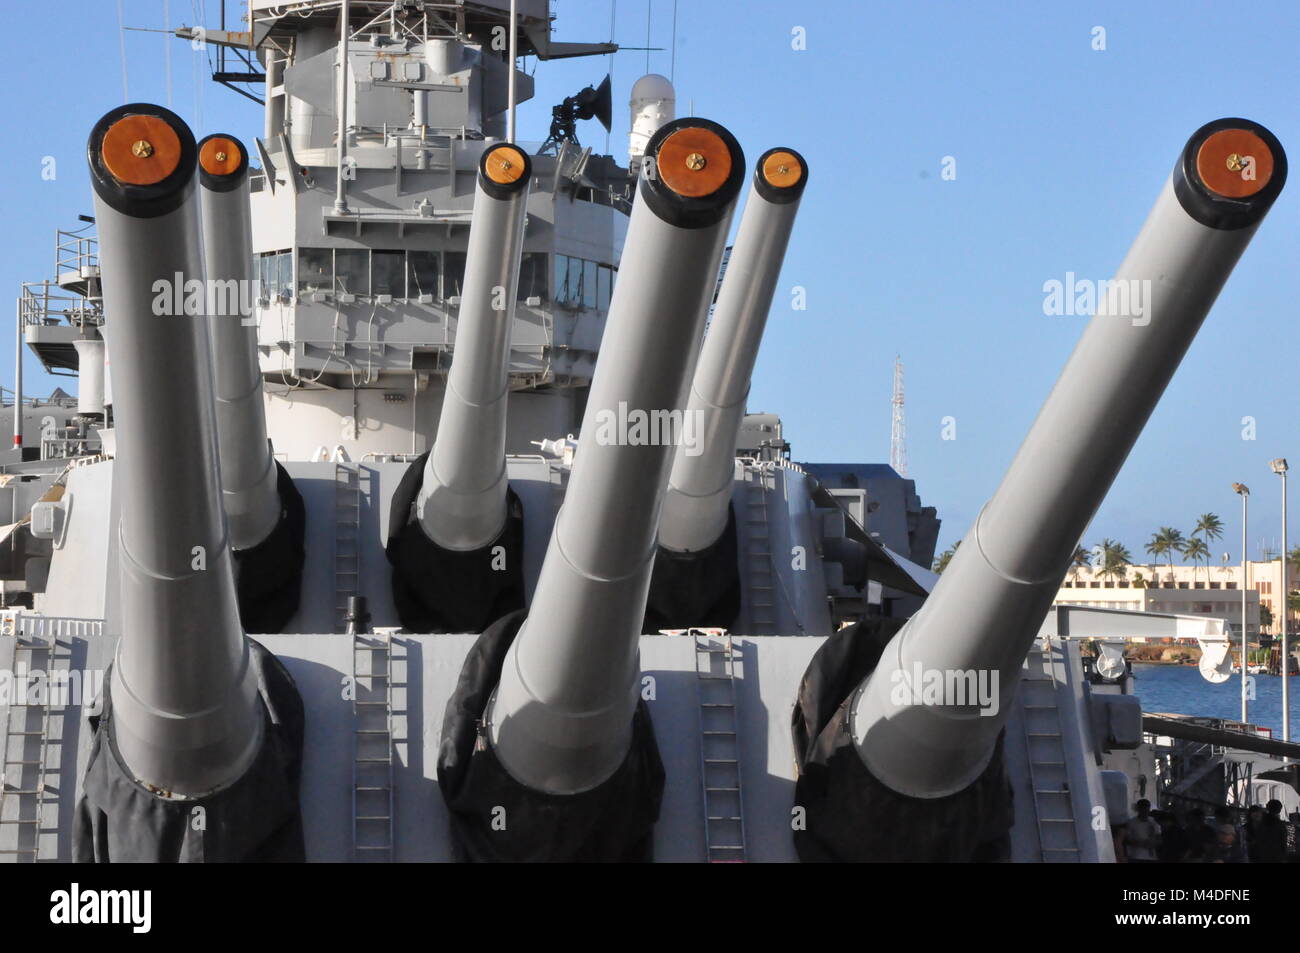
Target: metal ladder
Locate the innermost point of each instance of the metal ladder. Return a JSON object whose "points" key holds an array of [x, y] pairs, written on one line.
{"points": [[758, 556], [347, 539], [372, 747], [25, 753], [724, 820], [1058, 839]]}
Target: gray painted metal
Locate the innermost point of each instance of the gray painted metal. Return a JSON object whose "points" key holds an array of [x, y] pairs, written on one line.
{"points": [[18, 373], [90, 376], [462, 502], [248, 473], [700, 487], [561, 718], [990, 602], [185, 699], [767, 672]]}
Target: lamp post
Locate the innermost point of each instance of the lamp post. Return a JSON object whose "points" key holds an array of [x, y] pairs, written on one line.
{"points": [[1244, 492], [1279, 467]]}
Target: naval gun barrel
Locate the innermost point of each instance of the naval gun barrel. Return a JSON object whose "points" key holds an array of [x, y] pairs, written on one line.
{"points": [[185, 705], [982, 617], [561, 718], [248, 472], [462, 501], [699, 487]]}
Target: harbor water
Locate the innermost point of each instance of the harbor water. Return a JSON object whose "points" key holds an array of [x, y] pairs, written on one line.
{"points": [[1180, 689]]}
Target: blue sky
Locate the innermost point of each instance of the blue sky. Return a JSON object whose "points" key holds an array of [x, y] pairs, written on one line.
{"points": [[1060, 151]]}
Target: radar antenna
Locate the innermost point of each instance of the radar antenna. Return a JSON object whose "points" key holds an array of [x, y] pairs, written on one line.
{"points": [[898, 434]]}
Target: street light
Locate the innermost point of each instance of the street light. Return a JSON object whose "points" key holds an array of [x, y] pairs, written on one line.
{"points": [[1244, 492], [1279, 467]]}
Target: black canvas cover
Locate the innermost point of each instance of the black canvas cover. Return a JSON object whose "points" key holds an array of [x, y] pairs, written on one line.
{"points": [[848, 815], [268, 576], [495, 818], [256, 819], [700, 590], [444, 590]]}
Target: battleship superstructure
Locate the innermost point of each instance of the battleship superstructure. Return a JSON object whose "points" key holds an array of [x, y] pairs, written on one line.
{"points": [[326, 531]]}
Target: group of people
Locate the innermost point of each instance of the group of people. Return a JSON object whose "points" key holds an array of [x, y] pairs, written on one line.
{"points": [[1193, 838]]}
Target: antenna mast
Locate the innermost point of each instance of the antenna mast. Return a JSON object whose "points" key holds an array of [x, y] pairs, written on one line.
{"points": [[898, 433]]}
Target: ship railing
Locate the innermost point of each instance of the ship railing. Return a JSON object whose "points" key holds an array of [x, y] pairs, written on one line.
{"points": [[44, 304], [32, 400], [75, 253], [23, 624], [61, 448]]}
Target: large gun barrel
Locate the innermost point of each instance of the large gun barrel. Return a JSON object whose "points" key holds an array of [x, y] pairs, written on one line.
{"points": [[561, 718], [982, 617], [248, 471], [264, 510], [699, 487], [462, 502], [185, 709]]}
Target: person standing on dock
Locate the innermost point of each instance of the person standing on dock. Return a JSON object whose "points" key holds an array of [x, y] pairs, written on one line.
{"points": [[1142, 835], [1268, 844]]}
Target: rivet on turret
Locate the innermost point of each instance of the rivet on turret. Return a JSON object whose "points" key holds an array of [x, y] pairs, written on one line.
{"points": [[142, 149], [695, 162]]}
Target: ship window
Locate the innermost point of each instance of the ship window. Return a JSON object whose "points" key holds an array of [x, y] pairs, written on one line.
{"points": [[262, 265], [453, 276], [284, 284], [532, 276], [589, 289], [606, 289], [424, 272], [315, 272], [352, 271], [563, 290], [388, 273]]}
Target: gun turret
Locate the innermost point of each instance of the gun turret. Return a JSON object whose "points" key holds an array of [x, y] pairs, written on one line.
{"points": [[696, 580], [183, 717], [564, 726], [699, 488], [264, 510], [457, 553], [990, 602], [915, 721], [462, 503]]}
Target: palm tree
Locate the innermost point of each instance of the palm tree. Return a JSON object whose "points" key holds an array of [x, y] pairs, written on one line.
{"points": [[1115, 559], [945, 558], [1166, 542], [1156, 548], [1196, 550], [1173, 542], [1209, 527], [1082, 559]]}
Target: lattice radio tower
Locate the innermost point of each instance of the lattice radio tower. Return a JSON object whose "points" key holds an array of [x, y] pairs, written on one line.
{"points": [[898, 432]]}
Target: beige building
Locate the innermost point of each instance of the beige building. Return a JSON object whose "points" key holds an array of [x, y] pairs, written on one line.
{"points": [[1191, 590]]}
